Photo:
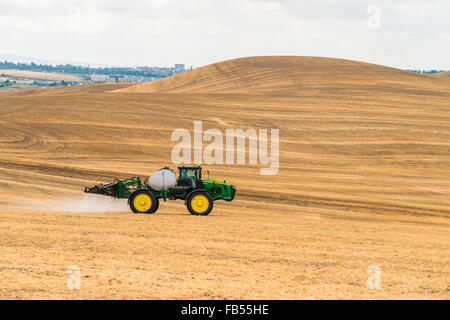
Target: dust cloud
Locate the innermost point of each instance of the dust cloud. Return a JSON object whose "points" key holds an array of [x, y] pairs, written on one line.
{"points": [[86, 203]]}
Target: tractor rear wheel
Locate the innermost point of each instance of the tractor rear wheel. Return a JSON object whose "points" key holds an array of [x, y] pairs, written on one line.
{"points": [[157, 205], [143, 201], [200, 204]]}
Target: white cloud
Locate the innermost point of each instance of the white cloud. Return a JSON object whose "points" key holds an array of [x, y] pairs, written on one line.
{"points": [[163, 32]]}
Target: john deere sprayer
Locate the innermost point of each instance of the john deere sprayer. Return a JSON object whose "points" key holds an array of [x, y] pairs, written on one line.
{"points": [[143, 196]]}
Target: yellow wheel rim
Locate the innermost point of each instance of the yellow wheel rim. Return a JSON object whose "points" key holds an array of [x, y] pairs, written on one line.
{"points": [[142, 202], [199, 203]]}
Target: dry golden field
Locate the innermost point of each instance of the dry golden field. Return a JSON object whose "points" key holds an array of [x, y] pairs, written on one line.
{"points": [[364, 180], [444, 74], [41, 75]]}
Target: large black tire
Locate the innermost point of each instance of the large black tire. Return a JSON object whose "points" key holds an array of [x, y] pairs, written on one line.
{"points": [[143, 201], [200, 204], [157, 205]]}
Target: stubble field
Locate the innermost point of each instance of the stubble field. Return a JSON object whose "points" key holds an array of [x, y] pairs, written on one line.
{"points": [[364, 180]]}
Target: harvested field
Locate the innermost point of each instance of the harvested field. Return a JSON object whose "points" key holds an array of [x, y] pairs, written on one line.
{"points": [[444, 74], [41, 75], [364, 180]]}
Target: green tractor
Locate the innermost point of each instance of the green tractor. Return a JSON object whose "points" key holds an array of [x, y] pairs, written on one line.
{"points": [[198, 194]]}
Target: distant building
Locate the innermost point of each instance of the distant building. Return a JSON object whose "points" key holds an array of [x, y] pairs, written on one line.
{"points": [[24, 81], [110, 80], [99, 77], [123, 79], [179, 67]]}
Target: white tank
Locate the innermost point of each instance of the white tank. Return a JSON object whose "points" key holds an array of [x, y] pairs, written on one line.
{"points": [[162, 179]]}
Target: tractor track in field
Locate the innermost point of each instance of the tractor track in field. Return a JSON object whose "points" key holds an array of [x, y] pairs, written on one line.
{"points": [[62, 171], [342, 204]]}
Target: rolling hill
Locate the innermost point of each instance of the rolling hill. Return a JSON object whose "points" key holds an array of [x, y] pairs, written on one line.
{"points": [[444, 74], [285, 74], [363, 180]]}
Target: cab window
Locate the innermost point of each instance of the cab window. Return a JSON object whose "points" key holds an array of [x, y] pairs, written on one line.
{"points": [[189, 173]]}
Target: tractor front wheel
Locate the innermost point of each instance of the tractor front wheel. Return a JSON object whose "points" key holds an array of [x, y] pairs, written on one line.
{"points": [[143, 201], [200, 204]]}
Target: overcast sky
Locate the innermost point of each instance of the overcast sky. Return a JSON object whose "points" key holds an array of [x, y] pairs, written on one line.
{"points": [[403, 34]]}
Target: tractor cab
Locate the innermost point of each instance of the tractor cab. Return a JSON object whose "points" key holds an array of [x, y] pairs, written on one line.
{"points": [[190, 176]]}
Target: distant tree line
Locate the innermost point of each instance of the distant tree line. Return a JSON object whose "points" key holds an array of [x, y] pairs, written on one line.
{"points": [[427, 71], [6, 83], [69, 68]]}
